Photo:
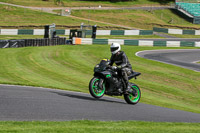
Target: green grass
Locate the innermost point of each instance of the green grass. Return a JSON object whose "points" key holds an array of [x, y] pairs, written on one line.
{"points": [[81, 3], [71, 68], [128, 36], [143, 19], [98, 127], [185, 36], [8, 37], [14, 16], [170, 17]]}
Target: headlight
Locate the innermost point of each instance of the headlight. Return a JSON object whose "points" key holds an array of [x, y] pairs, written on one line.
{"points": [[97, 65]]}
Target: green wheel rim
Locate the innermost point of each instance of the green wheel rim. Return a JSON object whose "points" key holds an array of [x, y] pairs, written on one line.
{"points": [[132, 98], [96, 90]]}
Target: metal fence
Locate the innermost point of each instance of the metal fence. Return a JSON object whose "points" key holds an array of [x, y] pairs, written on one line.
{"points": [[32, 42]]}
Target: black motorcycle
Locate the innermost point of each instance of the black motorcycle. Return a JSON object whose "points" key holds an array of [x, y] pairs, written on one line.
{"points": [[107, 80]]}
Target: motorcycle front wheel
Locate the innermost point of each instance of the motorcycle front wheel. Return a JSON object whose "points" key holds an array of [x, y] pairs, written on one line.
{"points": [[133, 98], [94, 88]]}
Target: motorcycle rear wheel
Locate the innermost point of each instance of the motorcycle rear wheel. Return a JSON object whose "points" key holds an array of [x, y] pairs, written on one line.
{"points": [[130, 98], [94, 89]]}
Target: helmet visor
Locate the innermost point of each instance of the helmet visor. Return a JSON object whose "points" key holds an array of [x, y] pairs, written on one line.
{"points": [[114, 49]]}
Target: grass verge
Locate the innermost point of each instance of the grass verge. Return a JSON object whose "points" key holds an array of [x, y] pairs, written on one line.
{"points": [[71, 68], [128, 37], [185, 36], [7, 37], [98, 127]]}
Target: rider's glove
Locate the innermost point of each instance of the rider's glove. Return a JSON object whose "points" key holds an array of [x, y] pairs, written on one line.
{"points": [[114, 67]]}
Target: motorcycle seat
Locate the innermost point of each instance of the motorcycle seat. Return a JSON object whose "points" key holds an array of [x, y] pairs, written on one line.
{"points": [[133, 75]]}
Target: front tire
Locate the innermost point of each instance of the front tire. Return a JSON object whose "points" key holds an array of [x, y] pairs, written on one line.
{"points": [[130, 98], [94, 88]]}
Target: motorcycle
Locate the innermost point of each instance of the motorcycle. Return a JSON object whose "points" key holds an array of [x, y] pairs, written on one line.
{"points": [[107, 80]]}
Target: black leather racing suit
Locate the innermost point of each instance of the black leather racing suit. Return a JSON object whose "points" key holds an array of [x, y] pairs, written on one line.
{"points": [[120, 59]]}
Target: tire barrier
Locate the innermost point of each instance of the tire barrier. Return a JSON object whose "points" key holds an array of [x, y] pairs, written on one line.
{"points": [[11, 43], [3, 43], [177, 31], [89, 41], [32, 42], [67, 32]]}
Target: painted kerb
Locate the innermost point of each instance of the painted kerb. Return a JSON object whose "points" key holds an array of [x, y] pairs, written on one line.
{"points": [[90, 41], [67, 32], [177, 31]]}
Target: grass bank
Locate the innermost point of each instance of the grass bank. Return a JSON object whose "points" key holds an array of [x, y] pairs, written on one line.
{"points": [[15, 16], [98, 127], [71, 68], [142, 19], [87, 3]]}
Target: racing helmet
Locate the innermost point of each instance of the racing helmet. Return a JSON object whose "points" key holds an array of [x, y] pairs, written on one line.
{"points": [[115, 47]]}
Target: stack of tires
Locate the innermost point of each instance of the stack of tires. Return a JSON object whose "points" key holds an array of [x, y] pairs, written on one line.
{"points": [[11, 43]]}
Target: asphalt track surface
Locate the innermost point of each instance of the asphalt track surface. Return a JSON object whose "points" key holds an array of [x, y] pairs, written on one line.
{"points": [[182, 57], [22, 103]]}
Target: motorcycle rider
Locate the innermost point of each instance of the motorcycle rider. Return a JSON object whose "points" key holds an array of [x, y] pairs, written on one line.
{"points": [[121, 60]]}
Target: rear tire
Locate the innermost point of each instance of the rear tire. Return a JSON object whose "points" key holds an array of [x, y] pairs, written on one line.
{"points": [[129, 98], [94, 89]]}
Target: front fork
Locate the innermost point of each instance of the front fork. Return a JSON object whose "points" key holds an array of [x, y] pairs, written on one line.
{"points": [[100, 85]]}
